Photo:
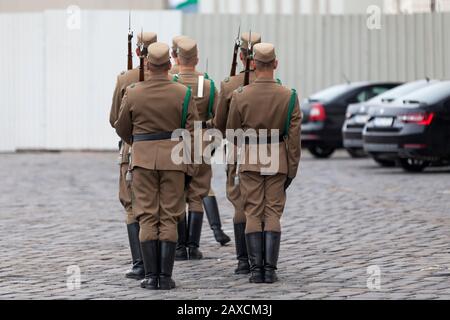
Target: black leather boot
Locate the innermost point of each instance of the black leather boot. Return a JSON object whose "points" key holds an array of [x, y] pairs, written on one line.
{"points": [[212, 212], [271, 252], [195, 221], [243, 266], [137, 270], [150, 256], [181, 252], [166, 261], [255, 256]]}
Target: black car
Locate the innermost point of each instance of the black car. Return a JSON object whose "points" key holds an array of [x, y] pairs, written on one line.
{"points": [[414, 129], [357, 116], [324, 114]]}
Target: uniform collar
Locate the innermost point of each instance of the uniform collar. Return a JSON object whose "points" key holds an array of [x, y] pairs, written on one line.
{"points": [[158, 77], [188, 73], [265, 80]]}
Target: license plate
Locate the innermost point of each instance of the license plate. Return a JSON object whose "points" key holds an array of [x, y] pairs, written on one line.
{"points": [[383, 122], [361, 119]]}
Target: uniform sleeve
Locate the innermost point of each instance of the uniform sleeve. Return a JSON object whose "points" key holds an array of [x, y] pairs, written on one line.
{"points": [[234, 117], [116, 101], [221, 114], [294, 141], [192, 116], [124, 125]]}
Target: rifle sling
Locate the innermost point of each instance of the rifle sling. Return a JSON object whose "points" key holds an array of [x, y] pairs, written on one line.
{"points": [[290, 111]]}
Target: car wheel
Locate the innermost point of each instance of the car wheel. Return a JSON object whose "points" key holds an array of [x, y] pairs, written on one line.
{"points": [[356, 153], [413, 165], [321, 152], [385, 162]]}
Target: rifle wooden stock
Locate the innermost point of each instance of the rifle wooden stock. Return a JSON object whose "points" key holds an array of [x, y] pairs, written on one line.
{"points": [[141, 69], [247, 71], [130, 52], [234, 63]]}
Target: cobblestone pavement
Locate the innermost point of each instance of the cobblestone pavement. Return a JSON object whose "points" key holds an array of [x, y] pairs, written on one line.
{"points": [[343, 215]]}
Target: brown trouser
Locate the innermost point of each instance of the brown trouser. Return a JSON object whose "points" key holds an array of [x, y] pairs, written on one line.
{"points": [[234, 195], [125, 194], [264, 199], [199, 188], [158, 203]]}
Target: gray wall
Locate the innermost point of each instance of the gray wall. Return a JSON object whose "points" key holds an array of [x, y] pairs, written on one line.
{"points": [[316, 51]]}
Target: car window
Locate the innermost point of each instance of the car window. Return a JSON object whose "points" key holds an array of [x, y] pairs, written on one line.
{"points": [[404, 89], [430, 94], [367, 94], [330, 93]]}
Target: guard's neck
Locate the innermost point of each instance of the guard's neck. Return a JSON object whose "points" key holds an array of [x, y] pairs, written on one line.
{"points": [[184, 69], [159, 74], [266, 74]]}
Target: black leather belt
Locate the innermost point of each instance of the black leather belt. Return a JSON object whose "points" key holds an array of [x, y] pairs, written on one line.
{"points": [[257, 140], [152, 136]]}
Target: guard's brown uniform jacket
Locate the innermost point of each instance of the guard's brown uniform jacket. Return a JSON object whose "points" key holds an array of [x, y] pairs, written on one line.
{"points": [[264, 105], [124, 80], [220, 121], [206, 105], [156, 106]]}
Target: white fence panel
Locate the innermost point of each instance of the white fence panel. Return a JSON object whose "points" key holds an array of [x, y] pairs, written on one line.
{"points": [[82, 66], [57, 82], [21, 81]]}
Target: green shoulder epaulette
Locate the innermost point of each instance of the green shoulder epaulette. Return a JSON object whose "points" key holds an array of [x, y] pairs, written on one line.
{"points": [[133, 85], [279, 82], [227, 79], [240, 89]]}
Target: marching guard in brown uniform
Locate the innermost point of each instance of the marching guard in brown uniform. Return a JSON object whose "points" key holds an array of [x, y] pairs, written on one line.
{"points": [[265, 104], [125, 79], [205, 96], [228, 86], [174, 53], [150, 112]]}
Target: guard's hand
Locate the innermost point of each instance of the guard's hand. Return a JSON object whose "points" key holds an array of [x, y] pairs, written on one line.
{"points": [[187, 181], [287, 183]]}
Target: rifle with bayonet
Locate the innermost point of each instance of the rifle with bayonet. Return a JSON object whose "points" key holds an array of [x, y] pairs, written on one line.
{"points": [[130, 47], [237, 44], [143, 53], [249, 59]]}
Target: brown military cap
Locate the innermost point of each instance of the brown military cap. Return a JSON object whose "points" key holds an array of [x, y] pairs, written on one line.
{"points": [[146, 38], [176, 40], [158, 53], [256, 38], [187, 48], [264, 52]]}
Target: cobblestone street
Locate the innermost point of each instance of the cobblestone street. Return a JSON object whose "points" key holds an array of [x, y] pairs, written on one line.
{"points": [[343, 215]]}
